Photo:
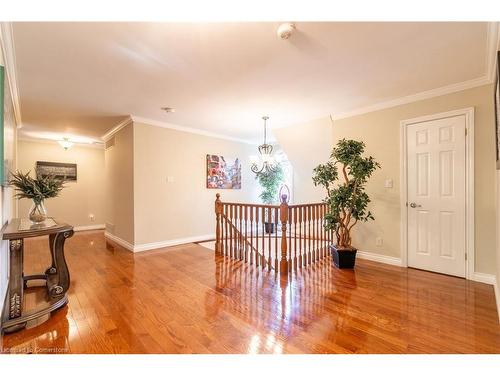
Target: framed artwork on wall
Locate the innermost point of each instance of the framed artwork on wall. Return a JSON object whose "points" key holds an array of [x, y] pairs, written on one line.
{"points": [[497, 110], [223, 172], [65, 171]]}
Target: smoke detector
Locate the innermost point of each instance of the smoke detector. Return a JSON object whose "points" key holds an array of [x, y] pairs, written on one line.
{"points": [[285, 30], [168, 109]]}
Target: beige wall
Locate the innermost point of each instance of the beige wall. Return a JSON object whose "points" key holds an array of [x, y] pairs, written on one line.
{"points": [[380, 131], [79, 199], [183, 207], [119, 185], [497, 286], [306, 146]]}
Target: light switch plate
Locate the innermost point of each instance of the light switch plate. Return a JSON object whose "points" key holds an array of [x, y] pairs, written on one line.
{"points": [[170, 179], [388, 183]]}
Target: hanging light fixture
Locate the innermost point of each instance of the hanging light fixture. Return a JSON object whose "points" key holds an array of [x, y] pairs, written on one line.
{"points": [[65, 143], [267, 163]]}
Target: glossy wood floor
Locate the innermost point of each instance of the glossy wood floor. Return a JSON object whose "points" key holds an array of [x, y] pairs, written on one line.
{"points": [[182, 300]]}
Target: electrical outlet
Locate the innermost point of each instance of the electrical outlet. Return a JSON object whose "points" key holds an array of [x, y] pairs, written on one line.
{"points": [[388, 183], [170, 179], [379, 241], [92, 217]]}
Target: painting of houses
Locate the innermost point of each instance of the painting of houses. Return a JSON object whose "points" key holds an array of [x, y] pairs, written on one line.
{"points": [[223, 173]]}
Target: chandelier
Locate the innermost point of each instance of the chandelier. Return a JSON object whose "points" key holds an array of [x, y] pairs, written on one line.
{"points": [[267, 163]]}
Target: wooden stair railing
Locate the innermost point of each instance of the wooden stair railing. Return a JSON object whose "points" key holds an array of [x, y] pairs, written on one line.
{"points": [[283, 237]]}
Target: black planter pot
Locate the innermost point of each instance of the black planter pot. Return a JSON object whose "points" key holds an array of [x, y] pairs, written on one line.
{"points": [[269, 228], [343, 258]]}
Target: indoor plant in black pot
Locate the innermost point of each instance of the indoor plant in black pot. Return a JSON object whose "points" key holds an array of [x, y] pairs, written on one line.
{"points": [[344, 177], [270, 182]]}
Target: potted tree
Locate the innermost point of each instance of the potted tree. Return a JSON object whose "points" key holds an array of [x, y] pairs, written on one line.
{"points": [[344, 177], [270, 181]]}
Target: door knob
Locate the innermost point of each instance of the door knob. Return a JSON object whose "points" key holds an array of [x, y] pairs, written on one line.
{"points": [[414, 205]]}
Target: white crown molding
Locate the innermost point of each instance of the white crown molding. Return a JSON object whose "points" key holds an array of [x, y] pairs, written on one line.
{"points": [[186, 129], [53, 142], [456, 87], [117, 128], [492, 45], [492, 41], [9, 56], [83, 228], [379, 258]]}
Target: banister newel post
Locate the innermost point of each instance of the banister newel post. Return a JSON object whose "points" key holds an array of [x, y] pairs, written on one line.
{"points": [[218, 214], [284, 220]]}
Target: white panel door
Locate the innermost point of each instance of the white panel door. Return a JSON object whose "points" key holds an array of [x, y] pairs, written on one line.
{"points": [[436, 195]]}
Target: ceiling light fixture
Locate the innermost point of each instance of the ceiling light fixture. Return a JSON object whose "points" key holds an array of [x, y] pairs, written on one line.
{"points": [[168, 109], [267, 161], [65, 143], [285, 30]]}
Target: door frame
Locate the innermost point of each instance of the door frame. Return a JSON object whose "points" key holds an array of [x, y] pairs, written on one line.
{"points": [[469, 184]]}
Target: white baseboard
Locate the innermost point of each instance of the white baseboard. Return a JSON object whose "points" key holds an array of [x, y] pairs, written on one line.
{"points": [[178, 241], [156, 245], [379, 258], [484, 278], [127, 245], [89, 227], [497, 297]]}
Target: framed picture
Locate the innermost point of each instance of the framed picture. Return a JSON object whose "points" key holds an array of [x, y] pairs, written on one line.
{"points": [[223, 172], [497, 110], [65, 171]]}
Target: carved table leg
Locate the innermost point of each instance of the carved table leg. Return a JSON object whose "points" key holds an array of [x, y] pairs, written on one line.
{"points": [[52, 269], [58, 282], [16, 283]]}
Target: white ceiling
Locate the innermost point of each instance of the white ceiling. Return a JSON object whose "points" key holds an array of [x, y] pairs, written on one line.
{"points": [[83, 78]]}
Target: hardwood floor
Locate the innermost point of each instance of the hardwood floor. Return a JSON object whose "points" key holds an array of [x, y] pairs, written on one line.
{"points": [[183, 300]]}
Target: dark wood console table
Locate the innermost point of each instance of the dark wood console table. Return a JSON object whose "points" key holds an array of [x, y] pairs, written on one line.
{"points": [[56, 276]]}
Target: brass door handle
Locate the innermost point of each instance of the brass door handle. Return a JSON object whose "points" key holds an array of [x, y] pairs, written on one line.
{"points": [[414, 205]]}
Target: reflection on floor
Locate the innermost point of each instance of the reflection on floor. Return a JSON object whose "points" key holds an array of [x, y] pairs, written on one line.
{"points": [[185, 300]]}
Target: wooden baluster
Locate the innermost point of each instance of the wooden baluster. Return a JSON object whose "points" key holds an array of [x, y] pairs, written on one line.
{"points": [[309, 214], [257, 255], [284, 252], [245, 246], [295, 210], [223, 232], [301, 260], [276, 222], [226, 213], [269, 237], [318, 243], [263, 218], [250, 218], [232, 239], [313, 239], [323, 240], [237, 231], [289, 237], [240, 237], [218, 209]]}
